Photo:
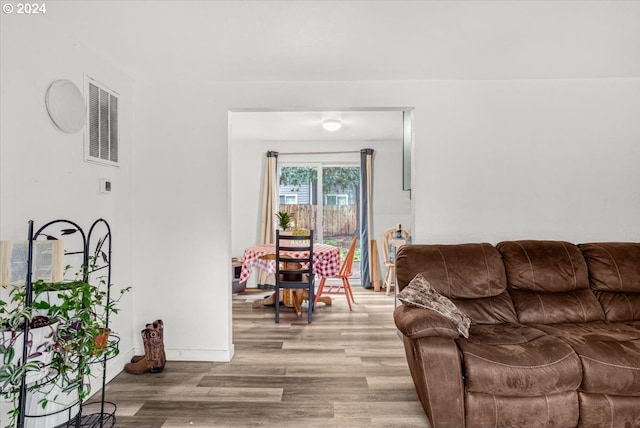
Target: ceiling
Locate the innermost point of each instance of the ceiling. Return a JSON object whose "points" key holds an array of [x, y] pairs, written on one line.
{"points": [[188, 40], [305, 126]]}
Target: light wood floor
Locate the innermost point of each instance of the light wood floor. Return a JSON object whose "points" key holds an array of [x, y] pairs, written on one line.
{"points": [[343, 370]]}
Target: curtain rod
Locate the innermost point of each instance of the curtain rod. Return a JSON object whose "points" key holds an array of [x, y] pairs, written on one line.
{"points": [[319, 153]]}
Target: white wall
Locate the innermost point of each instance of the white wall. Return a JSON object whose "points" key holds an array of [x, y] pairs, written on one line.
{"points": [[494, 160], [43, 175], [546, 159]]}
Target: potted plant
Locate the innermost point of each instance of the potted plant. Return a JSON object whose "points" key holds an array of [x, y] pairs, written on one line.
{"points": [[284, 220], [79, 309], [82, 307], [101, 339], [40, 341]]}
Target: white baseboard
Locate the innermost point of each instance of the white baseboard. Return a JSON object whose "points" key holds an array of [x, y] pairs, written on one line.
{"points": [[213, 355], [116, 365]]}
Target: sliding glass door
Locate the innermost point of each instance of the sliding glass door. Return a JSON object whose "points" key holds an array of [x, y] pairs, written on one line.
{"points": [[325, 198]]}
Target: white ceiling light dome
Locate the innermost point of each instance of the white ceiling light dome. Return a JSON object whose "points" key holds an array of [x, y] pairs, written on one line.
{"points": [[332, 121], [332, 124]]}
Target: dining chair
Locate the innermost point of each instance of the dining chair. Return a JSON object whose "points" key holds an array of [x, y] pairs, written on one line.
{"points": [[294, 266], [390, 274], [344, 274]]}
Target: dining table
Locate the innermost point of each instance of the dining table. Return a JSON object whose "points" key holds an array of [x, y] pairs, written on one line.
{"points": [[326, 263]]}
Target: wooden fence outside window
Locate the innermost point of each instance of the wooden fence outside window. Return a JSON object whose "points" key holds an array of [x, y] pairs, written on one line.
{"points": [[338, 220]]}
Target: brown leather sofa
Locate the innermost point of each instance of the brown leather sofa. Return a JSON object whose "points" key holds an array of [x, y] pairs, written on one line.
{"points": [[554, 339]]}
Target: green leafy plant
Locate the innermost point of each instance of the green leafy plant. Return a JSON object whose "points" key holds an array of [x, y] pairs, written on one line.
{"points": [[13, 316], [79, 307], [284, 220]]}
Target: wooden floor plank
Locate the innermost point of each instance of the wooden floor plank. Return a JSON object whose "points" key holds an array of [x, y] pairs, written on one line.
{"points": [[346, 369]]}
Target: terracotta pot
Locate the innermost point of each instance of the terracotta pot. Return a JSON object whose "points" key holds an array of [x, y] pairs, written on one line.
{"points": [[101, 339]]}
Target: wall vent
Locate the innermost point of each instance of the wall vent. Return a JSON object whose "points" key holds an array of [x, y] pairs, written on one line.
{"points": [[101, 133]]}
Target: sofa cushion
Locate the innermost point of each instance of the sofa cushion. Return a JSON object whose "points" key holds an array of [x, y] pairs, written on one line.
{"points": [[552, 308], [610, 367], [548, 282], [634, 324], [613, 266], [517, 360], [619, 306], [597, 331], [544, 266], [545, 411], [463, 272], [614, 275], [503, 334], [609, 353], [488, 310], [421, 294], [599, 410]]}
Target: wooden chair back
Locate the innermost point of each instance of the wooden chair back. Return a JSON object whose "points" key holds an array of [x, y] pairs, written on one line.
{"points": [[345, 269], [288, 266], [294, 266], [387, 236]]}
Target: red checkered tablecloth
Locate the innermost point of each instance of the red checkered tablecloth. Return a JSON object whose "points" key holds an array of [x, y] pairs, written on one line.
{"points": [[326, 260]]}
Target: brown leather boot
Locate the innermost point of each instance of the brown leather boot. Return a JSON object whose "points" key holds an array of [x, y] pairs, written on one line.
{"points": [[159, 325], [145, 343], [153, 360]]}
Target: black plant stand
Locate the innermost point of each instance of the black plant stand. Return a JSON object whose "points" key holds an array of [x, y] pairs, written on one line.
{"points": [[96, 245]]}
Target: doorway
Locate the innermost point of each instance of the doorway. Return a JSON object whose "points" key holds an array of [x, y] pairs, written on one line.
{"points": [[299, 139]]}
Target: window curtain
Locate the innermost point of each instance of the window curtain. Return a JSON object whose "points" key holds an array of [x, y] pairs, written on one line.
{"points": [[268, 212], [365, 217]]}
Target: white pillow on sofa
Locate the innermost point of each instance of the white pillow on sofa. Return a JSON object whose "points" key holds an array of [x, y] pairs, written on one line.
{"points": [[421, 294]]}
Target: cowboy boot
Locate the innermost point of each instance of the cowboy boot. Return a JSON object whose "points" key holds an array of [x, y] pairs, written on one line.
{"points": [[135, 367], [160, 326], [145, 343], [153, 359]]}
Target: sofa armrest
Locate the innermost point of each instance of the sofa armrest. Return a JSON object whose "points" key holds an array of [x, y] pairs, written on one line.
{"points": [[435, 364], [416, 322]]}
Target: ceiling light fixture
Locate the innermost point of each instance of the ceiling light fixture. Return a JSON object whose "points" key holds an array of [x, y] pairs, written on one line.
{"points": [[332, 124]]}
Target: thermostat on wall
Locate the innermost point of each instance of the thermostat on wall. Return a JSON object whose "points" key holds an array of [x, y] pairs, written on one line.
{"points": [[105, 185]]}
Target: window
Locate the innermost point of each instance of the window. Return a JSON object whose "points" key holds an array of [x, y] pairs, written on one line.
{"points": [[101, 134], [326, 197], [333, 199], [288, 199]]}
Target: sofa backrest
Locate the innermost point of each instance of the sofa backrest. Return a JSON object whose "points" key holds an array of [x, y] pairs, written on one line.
{"points": [[471, 275], [614, 275], [549, 282]]}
